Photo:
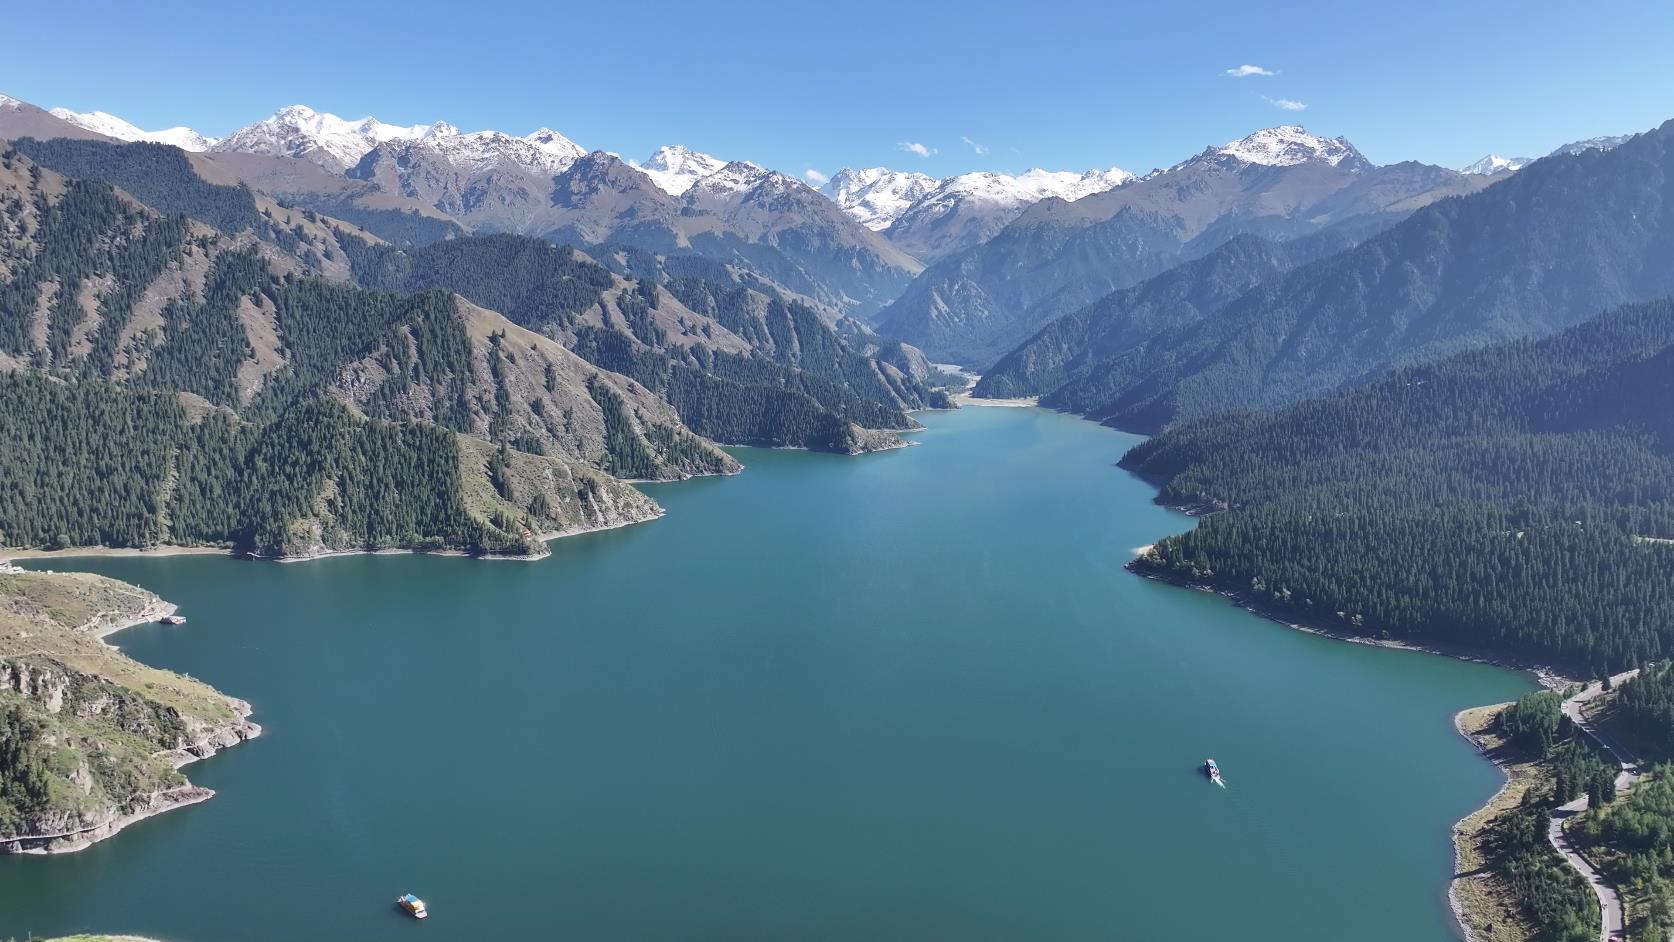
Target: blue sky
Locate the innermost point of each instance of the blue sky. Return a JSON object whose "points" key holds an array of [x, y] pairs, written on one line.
{"points": [[1065, 85]]}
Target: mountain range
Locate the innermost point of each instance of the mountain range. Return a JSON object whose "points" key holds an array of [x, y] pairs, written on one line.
{"points": [[1007, 255], [516, 380], [495, 179], [1539, 251], [1058, 255]]}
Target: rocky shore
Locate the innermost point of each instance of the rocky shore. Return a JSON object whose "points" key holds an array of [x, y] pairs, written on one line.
{"points": [[103, 737]]}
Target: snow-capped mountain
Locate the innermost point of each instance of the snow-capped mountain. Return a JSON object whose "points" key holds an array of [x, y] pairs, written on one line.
{"points": [[339, 144], [479, 151], [1287, 146], [966, 209], [326, 139], [875, 196], [557, 145], [1592, 143], [1057, 255], [735, 176], [1494, 163], [110, 125], [674, 168]]}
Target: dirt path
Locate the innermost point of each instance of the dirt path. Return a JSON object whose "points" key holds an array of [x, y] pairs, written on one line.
{"points": [[1612, 925]]}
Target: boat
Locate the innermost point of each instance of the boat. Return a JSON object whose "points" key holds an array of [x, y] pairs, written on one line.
{"points": [[411, 905], [1212, 770], [172, 620]]}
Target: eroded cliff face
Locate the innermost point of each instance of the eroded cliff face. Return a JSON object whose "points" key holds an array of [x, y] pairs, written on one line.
{"points": [[92, 741]]}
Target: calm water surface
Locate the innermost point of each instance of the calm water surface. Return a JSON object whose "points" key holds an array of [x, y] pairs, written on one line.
{"points": [[905, 696]]}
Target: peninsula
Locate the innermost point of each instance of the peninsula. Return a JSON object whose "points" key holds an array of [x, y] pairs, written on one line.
{"points": [[91, 740]]}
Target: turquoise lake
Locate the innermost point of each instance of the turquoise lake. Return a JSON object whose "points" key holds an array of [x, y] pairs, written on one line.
{"points": [[905, 696]]}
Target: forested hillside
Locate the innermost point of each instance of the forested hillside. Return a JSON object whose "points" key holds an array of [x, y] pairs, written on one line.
{"points": [[1533, 880], [179, 385], [1517, 500], [740, 364], [1644, 709], [1070, 360], [166, 180], [1558, 242]]}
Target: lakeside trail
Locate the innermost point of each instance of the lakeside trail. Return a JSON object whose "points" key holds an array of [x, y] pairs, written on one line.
{"points": [[1612, 921]]}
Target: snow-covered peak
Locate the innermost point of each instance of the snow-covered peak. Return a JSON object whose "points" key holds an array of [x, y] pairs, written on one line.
{"points": [[1028, 187], [484, 150], [1286, 146], [1071, 186], [875, 196], [300, 131], [110, 125], [1593, 143], [675, 168], [557, 145], [734, 177], [9, 103], [1494, 163]]}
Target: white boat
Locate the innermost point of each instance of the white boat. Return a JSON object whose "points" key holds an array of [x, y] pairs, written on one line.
{"points": [[412, 906]]}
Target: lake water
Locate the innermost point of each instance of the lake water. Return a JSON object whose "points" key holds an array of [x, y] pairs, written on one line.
{"points": [[910, 695]]}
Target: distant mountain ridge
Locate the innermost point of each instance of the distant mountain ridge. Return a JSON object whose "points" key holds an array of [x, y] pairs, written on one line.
{"points": [[1494, 163], [964, 210], [1057, 255], [111, 126]]}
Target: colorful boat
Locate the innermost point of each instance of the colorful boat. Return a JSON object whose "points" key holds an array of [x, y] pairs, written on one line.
{"points": [[412, 906], [172, 620]]}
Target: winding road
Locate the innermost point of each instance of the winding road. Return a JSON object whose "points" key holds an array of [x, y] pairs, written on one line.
{"points": [[1613, 925]]}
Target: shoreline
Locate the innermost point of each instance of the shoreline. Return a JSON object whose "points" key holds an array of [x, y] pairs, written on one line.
{"points": [[241, 730], [211, 741], [102, 552], [1454, 905], [1462, 831], [1547, 677], [1020, 402]]}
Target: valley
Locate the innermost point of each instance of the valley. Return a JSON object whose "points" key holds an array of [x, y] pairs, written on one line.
{"points": [[804, 644]]}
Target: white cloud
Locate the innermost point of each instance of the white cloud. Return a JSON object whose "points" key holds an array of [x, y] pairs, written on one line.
{"points": [[1288, 104], [1248, 70], [981, 149], [913, 147], [814, 177]]}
